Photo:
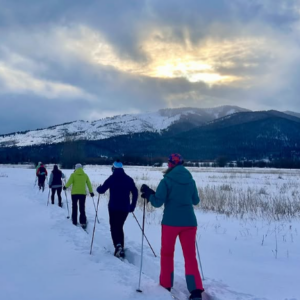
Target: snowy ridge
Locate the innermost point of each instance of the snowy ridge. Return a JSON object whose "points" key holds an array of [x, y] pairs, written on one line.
{"points": [[112, 126], [96, 130]]}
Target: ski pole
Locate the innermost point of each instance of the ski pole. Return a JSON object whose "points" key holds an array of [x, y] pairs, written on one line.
{"points": [[35, 181], [142, 250], [202, 275], [96, 216], [144, 233], [48, 197], [64, 183], [95, 210], [68, 217]]}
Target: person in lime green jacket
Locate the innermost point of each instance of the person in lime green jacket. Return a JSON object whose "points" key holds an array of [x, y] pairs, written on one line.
{"points": [[79, 180]]}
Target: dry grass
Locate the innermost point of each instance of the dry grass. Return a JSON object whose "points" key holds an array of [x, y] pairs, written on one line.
{"points": [[254, 202], [254, 193]]}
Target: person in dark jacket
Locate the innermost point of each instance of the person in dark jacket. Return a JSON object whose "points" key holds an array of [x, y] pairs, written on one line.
{"points": [[55, 184], [41, 173], [120, 187], [178, 193]]}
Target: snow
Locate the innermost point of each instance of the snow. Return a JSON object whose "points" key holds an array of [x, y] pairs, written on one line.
{"points": [[230, 112], [43, 256], [96, 130]]}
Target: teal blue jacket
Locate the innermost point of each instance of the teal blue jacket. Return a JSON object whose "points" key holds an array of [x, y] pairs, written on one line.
{"points": [[178, 192]]}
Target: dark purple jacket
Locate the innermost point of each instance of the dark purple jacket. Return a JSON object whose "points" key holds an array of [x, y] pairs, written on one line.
{"points": [[120, 186]]}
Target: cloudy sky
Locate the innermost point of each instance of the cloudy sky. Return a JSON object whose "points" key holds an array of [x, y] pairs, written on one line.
{"points": [[64, 60]]}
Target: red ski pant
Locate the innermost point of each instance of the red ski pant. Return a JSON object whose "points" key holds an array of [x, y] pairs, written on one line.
{"points": [[187, 237]]}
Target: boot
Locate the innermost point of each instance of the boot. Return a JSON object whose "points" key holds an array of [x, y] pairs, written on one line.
{"points": [[122, 253], [118, 250], [196, 295]]}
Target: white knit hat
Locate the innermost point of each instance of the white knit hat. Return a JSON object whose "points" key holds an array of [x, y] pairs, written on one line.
{"points": [[78, 166]]}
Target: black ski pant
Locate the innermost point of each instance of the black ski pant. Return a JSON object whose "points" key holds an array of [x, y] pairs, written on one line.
{"points": [[53, 191], [117, 219], [41, 181], [82, 216]]}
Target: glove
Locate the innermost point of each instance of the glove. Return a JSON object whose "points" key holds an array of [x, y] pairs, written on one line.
{"points": [[146, 192], [144, 188], [98, 189], [64, 188], [92, 194], [50, 186], [144, 196]]}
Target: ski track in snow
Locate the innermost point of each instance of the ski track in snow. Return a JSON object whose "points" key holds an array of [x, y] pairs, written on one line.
{"points": [[125, 273], [123, 276], [102, 246]]}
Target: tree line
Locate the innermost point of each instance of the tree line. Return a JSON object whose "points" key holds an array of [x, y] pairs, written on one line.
{"points": [[69, 153]]}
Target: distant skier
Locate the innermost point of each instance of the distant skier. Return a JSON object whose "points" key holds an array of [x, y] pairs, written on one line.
{"points": [[120, 187], [79, 180], [178, 192], [55, 184], [41, 173], [36, 168]]}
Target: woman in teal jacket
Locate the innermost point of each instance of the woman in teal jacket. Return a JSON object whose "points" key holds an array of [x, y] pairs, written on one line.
{"points": [[178, 192]]}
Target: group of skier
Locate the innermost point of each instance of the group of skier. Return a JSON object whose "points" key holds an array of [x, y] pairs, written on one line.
{"points": [[178, 193]]}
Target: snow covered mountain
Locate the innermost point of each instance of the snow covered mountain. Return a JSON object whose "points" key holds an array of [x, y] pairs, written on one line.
{"points": [[159, 121]]}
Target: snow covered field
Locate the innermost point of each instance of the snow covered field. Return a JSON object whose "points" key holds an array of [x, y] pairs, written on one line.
{"points": [[245, 256]]}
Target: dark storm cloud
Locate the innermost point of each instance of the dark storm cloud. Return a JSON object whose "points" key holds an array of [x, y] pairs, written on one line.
{"points": [[119, 20], [46, 78]]}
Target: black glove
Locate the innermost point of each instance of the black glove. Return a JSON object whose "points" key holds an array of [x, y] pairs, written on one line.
{"points": [[64, 188], [50, 186], [131, 208], [146, 192], [144, 188], [92, 194], [144, 196]]}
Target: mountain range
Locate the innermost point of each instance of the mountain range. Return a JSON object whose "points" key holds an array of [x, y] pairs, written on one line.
{"points": [[177, 119], [197, 133]]}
